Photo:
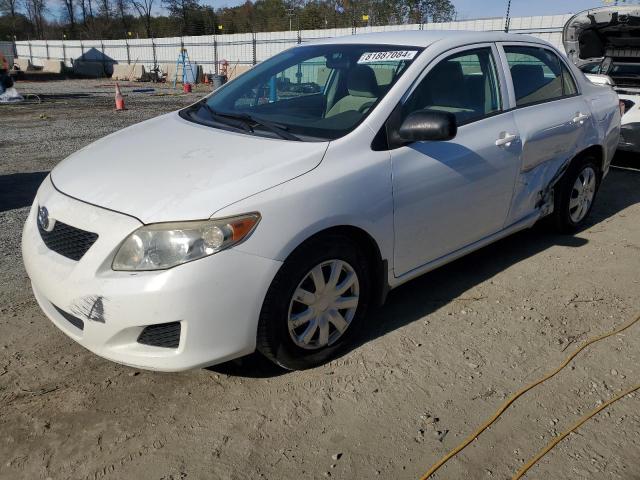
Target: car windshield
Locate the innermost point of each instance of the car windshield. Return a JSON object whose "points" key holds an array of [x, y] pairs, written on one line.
{"points": [[625, 69], [616, 69], [591, 67], [310, 93]]}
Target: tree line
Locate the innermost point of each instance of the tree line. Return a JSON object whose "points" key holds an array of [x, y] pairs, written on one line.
{"points": [[112, 19]]}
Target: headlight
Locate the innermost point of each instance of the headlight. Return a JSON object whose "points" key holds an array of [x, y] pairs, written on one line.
{"points": [[165, 245]]}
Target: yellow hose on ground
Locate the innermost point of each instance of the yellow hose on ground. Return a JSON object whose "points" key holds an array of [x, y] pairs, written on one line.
{"points": [[564, 434], [436, 466]]}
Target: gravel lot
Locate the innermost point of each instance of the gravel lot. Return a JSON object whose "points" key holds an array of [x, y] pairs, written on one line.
{"points": [[436, 361]]}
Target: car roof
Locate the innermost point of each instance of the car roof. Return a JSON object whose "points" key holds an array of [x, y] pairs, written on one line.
{"points": [[424, 38]]}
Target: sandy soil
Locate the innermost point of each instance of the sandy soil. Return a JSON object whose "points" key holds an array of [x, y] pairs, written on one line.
{"points": [[434, 363]]}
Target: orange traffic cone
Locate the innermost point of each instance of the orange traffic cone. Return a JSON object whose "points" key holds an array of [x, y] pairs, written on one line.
{"points": [[119, 98]]}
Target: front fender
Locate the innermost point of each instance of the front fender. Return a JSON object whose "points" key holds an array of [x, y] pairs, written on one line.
{"points": [[351, 188]]}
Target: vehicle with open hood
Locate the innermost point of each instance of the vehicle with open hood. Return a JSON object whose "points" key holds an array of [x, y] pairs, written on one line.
{"points": [[606, 41], [275, 213]]}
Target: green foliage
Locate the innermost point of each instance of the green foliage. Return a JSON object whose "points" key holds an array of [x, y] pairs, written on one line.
{"points": [[135, 18]]}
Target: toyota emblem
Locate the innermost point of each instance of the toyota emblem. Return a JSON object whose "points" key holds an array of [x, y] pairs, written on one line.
{"points": [[43, 218]]}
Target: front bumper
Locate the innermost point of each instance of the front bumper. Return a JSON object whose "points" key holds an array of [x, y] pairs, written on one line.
{"points": [[630, 137], [217, 299]]}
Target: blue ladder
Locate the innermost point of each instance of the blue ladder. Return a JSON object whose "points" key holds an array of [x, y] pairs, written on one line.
{"points": [[184, 63]]}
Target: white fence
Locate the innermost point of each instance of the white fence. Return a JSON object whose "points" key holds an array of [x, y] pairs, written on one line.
{"points": [[248, 48]]}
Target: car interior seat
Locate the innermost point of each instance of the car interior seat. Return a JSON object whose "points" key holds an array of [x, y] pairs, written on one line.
{"points": [[363, 91], [446, 90], [527, 79]]}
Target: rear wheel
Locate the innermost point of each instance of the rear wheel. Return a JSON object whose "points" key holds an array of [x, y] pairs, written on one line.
{"points": [[575, 195], [315, 304]]}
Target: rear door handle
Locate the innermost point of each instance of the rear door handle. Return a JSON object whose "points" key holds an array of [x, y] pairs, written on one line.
{"points": [[505, 139], [580, 118]]}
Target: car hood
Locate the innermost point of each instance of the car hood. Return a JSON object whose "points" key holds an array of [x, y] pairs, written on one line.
{"points": [[170, 169], [602, 32]]}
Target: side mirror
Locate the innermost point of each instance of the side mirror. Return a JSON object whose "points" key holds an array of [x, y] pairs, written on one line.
{"points": [[431, 125]]}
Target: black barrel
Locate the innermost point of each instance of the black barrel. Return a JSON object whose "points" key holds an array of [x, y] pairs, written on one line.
{"points": [[218, 80]]}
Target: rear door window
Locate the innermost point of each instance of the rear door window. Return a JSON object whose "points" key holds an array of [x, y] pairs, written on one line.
{"points": [[538, 75]]}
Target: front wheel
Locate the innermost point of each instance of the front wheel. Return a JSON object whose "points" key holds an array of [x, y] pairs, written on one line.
{"points": [[575, 195], [315, 304]]}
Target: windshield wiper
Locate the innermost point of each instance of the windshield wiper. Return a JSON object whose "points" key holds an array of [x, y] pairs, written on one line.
{"points": [[273, 127], [242, 125], [248, 120]]}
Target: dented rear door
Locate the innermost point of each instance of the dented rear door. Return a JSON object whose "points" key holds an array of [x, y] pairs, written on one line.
{"points": [[552, 117]]}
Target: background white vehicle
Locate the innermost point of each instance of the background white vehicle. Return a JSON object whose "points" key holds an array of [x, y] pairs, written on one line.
{"points": [[276, 212], [606, 41]]}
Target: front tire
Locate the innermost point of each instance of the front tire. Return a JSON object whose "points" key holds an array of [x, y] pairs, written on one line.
{"points": [[315, 304], [575, 195]]}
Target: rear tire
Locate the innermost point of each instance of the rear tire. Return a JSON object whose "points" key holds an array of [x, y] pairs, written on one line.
{"points": [[301, 323], [575, 195]]}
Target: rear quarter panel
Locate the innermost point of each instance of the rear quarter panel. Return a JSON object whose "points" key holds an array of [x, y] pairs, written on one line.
{"points": [[605, 117]]}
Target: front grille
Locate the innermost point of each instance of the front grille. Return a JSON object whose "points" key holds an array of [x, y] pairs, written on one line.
{"points": [[68, 241], [165, 335], [75, 321]]}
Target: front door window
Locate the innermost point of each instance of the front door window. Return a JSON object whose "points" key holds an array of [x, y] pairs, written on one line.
{"points": [[464, 84]]}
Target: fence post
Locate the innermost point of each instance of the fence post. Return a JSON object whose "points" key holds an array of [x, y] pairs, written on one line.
{"points": [[253, 45], [104, 64], [507, 20], [353, 20], [215, 54], [126, 42], [81, 50], [30, 53], [153, 50], [64, 54], [46, 45]]}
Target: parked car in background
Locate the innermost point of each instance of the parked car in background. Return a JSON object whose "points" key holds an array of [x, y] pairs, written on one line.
{"points": [[275, 213], [606, 41]]}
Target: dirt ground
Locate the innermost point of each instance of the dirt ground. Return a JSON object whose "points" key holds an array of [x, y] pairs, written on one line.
{"points": [[435, 362]]}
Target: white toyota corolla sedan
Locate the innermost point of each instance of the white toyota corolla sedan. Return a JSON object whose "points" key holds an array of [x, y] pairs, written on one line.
{"points": [[277, 212]]}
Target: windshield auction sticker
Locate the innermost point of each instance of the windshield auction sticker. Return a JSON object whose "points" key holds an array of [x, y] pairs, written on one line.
{"points": [[396, 55]]}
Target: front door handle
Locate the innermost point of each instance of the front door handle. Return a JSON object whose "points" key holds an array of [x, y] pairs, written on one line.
{"points": [[505, 139], [580, 118]]}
